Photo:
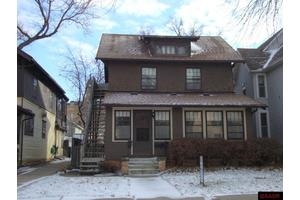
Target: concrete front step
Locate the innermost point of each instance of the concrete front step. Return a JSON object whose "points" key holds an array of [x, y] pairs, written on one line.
{"points": [[142, 171], [142, 163], [144, 159], [143, 166]]}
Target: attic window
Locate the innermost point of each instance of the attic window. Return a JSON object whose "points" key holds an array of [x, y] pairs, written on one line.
{"points": [[171, 50]]}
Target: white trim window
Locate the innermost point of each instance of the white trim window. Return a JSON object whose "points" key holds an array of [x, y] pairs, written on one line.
{"points": [[264, 124], [235, 125], [193, 78], [148, 77], [44, 128], [29, 127], [193, 124], [122, 125], [214, 124], [162, 125], [261, 86]]}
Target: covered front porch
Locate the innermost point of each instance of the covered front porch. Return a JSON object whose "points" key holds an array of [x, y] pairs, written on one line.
{"points": [[142, 125]]}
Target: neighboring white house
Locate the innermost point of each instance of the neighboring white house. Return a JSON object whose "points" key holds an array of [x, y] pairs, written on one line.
{"points": [[261, 77]]}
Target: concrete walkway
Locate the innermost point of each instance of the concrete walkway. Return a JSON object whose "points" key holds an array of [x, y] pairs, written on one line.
{"points": [[152, 187], [42, 170]]}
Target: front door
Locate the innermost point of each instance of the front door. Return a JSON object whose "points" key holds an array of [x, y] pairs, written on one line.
{"points": [[142, 132]]}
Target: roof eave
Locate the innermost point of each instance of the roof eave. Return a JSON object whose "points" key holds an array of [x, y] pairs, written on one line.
{"points": [[167, 59]]}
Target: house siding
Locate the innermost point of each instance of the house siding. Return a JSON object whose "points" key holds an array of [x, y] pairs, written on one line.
{"points": [[177, 123], [214, 77], [275, 98], [113, 150], [243, 76], [41, 96], [35, 147]]}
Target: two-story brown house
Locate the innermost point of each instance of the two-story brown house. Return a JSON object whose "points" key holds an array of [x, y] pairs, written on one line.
{"points": [[41, 111], [166, 87]]}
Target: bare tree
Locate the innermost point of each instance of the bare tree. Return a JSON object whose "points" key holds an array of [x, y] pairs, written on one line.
{"points": [[52, 15], [146, 30], [177, 26], [258, 11], [78, 70]]}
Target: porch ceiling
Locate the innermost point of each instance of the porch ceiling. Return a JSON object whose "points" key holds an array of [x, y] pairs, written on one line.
{"points": [[167, 99]]}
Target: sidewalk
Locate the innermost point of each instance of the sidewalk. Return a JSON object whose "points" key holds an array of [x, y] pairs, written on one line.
{"points": [[237, 197], [42, 170]]}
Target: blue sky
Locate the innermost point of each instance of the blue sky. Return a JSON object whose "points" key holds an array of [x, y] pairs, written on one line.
{"points": [[129, 17]]}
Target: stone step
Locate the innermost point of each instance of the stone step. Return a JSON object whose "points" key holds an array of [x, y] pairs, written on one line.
{"points": [[141, 165], [89, 166], [142, 162], [144, 159], [142, 172]]}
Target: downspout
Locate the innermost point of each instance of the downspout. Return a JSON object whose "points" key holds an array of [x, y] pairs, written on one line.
{"points": [[22, 120]]}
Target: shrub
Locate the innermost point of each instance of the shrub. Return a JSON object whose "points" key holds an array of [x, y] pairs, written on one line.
{"points": [[216, 152]]}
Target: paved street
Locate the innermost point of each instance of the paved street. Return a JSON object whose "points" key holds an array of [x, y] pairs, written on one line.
{"points": [[42, 170]]}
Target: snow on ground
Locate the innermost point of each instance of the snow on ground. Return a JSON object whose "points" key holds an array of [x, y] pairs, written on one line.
{"points": [[85, 187], [59, 160], [226, 182], [177, 184]]}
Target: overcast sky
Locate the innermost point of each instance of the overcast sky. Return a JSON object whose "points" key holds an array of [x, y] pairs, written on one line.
{"points": [[130, 16]]}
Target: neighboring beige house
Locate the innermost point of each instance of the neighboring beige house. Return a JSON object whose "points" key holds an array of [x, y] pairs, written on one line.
{"points": [[41, 111]]}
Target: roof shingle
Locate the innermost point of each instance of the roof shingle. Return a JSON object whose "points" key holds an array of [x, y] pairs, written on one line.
{"points": [[182, 99], [117, 46]]}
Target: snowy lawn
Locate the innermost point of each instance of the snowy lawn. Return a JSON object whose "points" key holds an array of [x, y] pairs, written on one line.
{"points": [[226, 182], [177, 184]]}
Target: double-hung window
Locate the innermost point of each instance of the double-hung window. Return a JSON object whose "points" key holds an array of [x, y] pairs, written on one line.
{"points": [[214, 124], [235, 125], [193, 78], [148, 78], [193, 124], [261, 86], [122, 125], [44, 126], [29, 126], [264, 124], [162, 125]]}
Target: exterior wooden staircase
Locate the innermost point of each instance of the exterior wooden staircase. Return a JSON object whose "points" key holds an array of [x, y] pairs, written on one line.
{"points": [[92, 152]]}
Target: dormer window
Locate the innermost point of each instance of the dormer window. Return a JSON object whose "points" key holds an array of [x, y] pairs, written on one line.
{"points": [[168, 50], [171, 50]]}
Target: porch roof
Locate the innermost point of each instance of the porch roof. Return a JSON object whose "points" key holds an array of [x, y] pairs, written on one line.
{"points": [[179, 99]]}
